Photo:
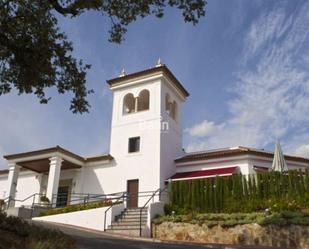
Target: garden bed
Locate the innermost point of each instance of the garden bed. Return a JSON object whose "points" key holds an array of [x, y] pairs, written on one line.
{"points": [[77, 207], [283, 218], [286, 229]]}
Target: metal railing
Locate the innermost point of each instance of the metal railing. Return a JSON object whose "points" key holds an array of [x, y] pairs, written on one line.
{"points": [[73, 199], [64, 199], [126, 198], [34, 197], [116, 201], [158, 192]]}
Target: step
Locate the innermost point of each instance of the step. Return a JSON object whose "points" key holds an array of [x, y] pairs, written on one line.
{"points": [[130, 216], [129, 223], [128, 232], [135, 212], [125, 227]]}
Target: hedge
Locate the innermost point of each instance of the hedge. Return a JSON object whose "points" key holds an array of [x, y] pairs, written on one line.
{"points": [[237, 193]]}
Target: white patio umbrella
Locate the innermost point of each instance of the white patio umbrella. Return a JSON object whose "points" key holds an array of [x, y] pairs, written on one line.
{"points": [[279, 163]]}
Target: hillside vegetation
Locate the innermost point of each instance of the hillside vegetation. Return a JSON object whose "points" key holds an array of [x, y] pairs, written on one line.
{"points": [[19, 234]]}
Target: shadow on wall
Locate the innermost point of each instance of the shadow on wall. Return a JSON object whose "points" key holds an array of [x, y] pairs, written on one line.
{"points": [[92, 183]]}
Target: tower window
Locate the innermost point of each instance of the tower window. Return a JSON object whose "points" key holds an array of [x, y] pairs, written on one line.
{"points": [[171, 107], [128, 104], [143, 101], [132, 104], [134, 144]]}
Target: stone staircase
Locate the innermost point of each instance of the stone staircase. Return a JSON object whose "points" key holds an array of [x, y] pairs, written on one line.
{"points": [[128, 222]]}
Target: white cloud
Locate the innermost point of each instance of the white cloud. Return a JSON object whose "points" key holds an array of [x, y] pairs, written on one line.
{"points": [[271, 88], [303, 150], [203, 129]]}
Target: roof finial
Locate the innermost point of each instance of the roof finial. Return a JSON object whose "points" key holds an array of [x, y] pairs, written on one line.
{"points": [[123, 73], [159, 63]]}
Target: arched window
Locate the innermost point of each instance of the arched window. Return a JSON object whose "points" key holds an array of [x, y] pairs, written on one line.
{"points": [[167, 103], [174, 110], [143, 101], [128, 104], [171, 107]]}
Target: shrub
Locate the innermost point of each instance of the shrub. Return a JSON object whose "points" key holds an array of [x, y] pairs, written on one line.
{"points": [[34, 236], [233, 219], [43, 198], [77, 207]]}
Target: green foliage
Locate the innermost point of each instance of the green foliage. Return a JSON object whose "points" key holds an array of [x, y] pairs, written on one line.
{"points": [[237, 193], [78, 207], [34, 236], [229, 220], [35, 55], [43, 198]]}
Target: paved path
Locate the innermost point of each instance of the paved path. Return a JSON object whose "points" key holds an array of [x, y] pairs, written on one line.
{"points": [[95, 240]]}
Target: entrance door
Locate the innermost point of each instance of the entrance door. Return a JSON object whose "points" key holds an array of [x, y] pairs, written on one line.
{"points": [[62, 197], [132, 189]]}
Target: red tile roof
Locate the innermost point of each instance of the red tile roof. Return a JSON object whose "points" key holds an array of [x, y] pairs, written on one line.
{"points": [[204, 173]]}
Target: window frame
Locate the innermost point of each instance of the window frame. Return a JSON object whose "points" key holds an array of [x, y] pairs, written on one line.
{"points": [[136, 146]]}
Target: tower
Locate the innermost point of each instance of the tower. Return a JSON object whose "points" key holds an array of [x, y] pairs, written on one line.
{"points": [[146, 130]]}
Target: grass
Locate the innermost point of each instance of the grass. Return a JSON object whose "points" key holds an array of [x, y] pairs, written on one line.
{"points": [[283, 218], [16, 233]]}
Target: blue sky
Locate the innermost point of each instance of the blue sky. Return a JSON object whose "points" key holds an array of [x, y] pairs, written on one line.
{"points": [[246, 66]]}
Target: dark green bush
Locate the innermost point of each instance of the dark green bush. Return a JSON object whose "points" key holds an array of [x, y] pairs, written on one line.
{"points": [[270, 190]]}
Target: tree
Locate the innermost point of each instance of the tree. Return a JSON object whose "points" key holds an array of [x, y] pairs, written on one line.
{"points": [[35, 54]]}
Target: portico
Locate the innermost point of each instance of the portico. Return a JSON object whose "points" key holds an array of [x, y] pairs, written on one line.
{"points": [[47, 165]]}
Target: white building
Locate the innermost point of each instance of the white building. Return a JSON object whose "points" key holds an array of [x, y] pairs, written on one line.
{"points": [[145, 149]]}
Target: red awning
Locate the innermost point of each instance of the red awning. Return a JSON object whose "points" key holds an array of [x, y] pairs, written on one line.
{"points": [[204, 173]]}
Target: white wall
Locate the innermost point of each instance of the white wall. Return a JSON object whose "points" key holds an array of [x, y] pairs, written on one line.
{"points": [[3, 186], [28, 183], [242, 162], [171, 140], [91, 219], [154, 209], [143, 165], [267, 162]]}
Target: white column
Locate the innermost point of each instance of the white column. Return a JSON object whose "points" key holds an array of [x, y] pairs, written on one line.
{"points": [[12, 182], [53, 177]]}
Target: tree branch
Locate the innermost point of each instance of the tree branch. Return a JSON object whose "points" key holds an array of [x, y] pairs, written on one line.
{"points": [[71, 9]]}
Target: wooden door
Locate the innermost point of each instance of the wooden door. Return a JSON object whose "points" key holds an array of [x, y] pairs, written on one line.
{"points": [[132, 189]]}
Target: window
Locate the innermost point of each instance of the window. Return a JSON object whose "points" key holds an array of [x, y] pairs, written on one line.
{"points": [[171, 107], [128, 103], [167, 103], [134, 144], [132, 104], [174, 110], [143, 101]]}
